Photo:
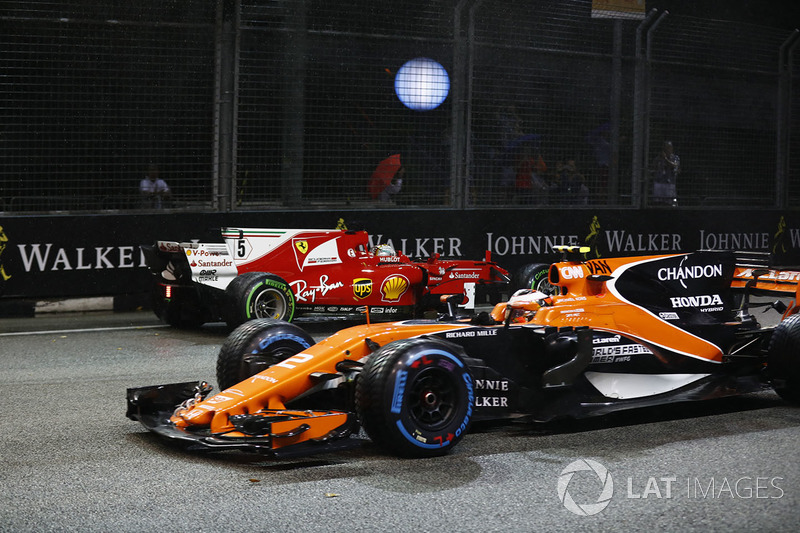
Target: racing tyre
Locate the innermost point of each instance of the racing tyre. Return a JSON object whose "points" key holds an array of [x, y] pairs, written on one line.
{"points": [[257, 345], [534, 276], [415, 397], [783, 359], [258, 295]]}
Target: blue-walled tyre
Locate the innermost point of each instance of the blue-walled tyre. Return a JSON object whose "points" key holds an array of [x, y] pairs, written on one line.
{"points": [[415, 397], [255, 346]]}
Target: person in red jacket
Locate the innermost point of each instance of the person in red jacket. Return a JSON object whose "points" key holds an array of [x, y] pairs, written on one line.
{"points": [[387, 179]]}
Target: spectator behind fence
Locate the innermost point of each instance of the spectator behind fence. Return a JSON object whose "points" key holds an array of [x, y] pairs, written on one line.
{"points": [[571, 185], [666, 167], [600, 144], [531, 187], [387, 179], [154, 191], [508, 129]]}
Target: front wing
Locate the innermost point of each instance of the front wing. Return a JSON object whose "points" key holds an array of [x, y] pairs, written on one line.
{"points": [[283, 433]]}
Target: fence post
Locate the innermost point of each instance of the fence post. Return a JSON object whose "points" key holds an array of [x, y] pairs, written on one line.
{"points": [[225, 107], [640, 95], [783, 122], [469, 90], [646, 117], [459, 160], [294, 109], [612, 192]]}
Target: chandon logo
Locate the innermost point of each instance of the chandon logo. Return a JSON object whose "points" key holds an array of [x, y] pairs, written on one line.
{"points": [[690, 272], [682, 273]]}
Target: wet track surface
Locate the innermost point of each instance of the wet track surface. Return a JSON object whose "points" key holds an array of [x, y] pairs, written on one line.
{"points": [[71, 461]]}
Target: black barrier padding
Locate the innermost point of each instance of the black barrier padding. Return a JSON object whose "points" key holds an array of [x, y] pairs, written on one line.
{"points": [[99, 255]]}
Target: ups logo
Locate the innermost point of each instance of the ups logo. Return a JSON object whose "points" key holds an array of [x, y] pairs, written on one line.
{"points": [[362, 287]]}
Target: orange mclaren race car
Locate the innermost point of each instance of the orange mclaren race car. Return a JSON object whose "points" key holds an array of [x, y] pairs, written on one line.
{"points": [[618, 333]]}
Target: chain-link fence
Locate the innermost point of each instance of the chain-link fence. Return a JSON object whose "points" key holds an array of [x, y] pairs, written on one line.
{"points": [[95, 92], [546, 105], [713, 94], [245, 104], [316, 105]]}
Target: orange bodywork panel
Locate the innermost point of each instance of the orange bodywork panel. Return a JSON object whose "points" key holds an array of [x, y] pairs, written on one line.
{"points": [[268, 391], [299, 426], [591, 299]]}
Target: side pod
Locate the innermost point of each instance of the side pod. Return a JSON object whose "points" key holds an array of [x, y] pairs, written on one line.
{"points": [[564, 374]]}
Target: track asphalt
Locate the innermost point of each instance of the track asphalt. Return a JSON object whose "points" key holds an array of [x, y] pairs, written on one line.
{"points": [[71, 461]]}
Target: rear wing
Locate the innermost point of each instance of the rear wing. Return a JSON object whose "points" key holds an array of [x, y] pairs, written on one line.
{"points": [[754, 271], [766, 279], [205, 263]]}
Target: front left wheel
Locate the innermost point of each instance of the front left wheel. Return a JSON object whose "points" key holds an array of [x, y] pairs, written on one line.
{"points": [[255, 346], [415, 397]]}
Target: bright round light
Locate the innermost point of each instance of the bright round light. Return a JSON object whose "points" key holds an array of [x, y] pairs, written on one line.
{"points": [[422, 84]]}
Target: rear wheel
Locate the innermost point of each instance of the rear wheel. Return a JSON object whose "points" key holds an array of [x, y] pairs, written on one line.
{"points": [[258, 295], [534, 276], [415, 397], [255, 346], [783, 359]]}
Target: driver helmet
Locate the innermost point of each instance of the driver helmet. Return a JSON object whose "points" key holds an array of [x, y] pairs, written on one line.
{"points": [[384, 250]]}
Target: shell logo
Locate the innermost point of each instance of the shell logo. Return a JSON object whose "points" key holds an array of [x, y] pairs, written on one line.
{"points": [[393, 288]]}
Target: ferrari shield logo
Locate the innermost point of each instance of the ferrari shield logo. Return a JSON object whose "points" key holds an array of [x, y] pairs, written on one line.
{"points": [[362, 287], [316, 251]]}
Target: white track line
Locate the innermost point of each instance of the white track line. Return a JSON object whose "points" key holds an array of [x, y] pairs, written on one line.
{"points": [[61, 331]]}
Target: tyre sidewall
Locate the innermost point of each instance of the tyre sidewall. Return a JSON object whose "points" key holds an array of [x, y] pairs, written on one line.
{"points": [[539, 280], [412, 365], [783, 359], [262, 285], [272, 340], [243, 291], [533, 276]]}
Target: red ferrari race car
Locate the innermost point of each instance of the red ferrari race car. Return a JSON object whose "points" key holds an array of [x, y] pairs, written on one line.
{"points": [[283, 273], [619, 333]]}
